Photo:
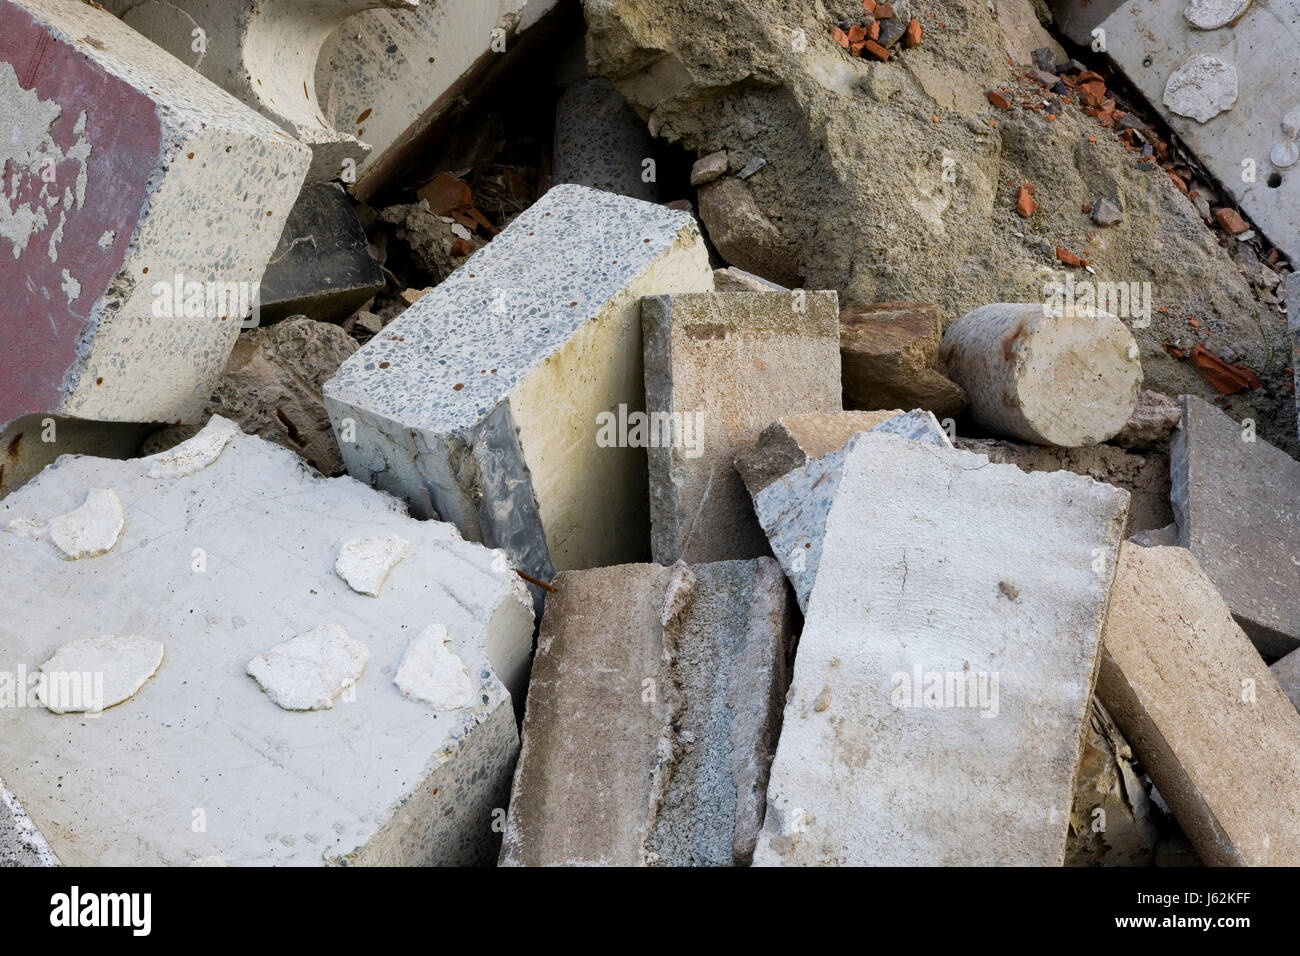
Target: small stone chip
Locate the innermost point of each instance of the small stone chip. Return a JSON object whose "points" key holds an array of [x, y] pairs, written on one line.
{"points": [[95, 673], [92, 529], [309, 672], [364, 563]]}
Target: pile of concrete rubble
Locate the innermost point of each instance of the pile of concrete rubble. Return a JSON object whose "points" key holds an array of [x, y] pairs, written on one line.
{"points": [[697, 434]]}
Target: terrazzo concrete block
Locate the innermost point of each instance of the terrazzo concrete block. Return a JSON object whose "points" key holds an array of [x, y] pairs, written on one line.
{"points": [[946, 664], [394, 78], [1070, 379], [21, 844], [1237, 506], [264, 53], [728, 363], [652, 716], [486, 401], [890, 355], [793, 508], [1250, 141], [118, 187], [1287, 674], [600, 142], [1201, 711], [223, 564], [795, 440], [321, 268]]}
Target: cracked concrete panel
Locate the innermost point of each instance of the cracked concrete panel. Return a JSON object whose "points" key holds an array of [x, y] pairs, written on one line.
{"points": [[946, 664], [229, 562], [108, 139], [651, 717]]}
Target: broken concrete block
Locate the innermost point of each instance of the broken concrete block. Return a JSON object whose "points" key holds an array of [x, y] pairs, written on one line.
{"points": [[272, 388], [1218, 88], [223, 564], [793, 508], [1144, 476], [264, 53], [1287, 674], [1065, 379], [1111, 820], [322, 267], [890, 357], [600, 142], [396, 78], [118, 208], [795, 440], [897, 746], [1237, 503], [1152, 422], [732, 279], [652, 716], [496, 400], [1207, 720], [719, 368], [742, 233]]}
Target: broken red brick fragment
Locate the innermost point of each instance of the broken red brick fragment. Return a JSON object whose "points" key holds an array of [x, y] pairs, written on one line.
{"points": [[1025, 204], [912, 36], [857, 33], [883, 11], [1224, 378], [1068, 258], [840, 37], [998, 100], [876, 50], [1230, 220]]}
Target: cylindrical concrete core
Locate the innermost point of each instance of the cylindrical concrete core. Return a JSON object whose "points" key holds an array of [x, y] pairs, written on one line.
{"points": [[1070, 379]]}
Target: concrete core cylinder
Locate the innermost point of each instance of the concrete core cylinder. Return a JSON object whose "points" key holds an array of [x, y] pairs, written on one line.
{"points": [[1068, 380]]}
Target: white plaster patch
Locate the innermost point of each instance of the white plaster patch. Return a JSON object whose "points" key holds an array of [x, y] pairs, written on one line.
{"points": [[71, 287], [92, 529], [196, 453], [1212, 14], [1202, 88], [107, 239], [432, 673], [309, 671], [96, 673], [364, 563]]}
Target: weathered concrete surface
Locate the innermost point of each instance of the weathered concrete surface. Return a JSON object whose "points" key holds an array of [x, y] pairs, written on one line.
{"points": [[392, 77], [1153, 420], [1144, 476], [600, 142], [1209, 723], [201, 560], [728, 363], [1287, 674], [1070, 379], [793, 509], [1237, 504], [947, 584], [794, 440], [272, 388], [890, 357], [487, 401], [321, 268], [1153, 40], [652, 716], [119, 169], [264, 53], [1291, 291], [1111, 821]]}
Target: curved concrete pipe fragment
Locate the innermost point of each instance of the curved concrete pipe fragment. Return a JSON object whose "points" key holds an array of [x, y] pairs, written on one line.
{"points": [[1052, 376], [263, 52]]}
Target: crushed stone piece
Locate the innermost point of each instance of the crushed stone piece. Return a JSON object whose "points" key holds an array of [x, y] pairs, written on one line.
{"points": [[1202, 88], [90, 530], [95, 673], [308, 672], [434, 674], [196, 453], [364, 563]]}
